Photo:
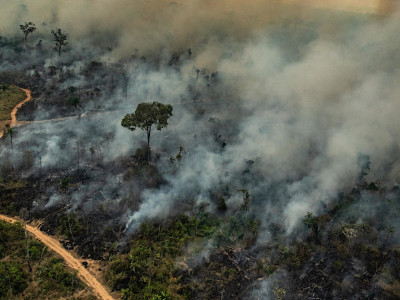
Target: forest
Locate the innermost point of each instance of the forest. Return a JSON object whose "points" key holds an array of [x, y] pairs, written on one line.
{"points": [[199, 150]]}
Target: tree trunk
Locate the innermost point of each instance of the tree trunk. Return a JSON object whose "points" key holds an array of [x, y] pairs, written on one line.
{"points": [[125, 86], [9, 281], [70, 228], [77, 144], [125, 91], [26, 41], [41, 255], [27, 249], [40, 165], [59, 50], [148, 144]]}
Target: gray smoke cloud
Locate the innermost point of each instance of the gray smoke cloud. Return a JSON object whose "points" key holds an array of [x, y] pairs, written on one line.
{"points": [[304, 122], [162, 25]]}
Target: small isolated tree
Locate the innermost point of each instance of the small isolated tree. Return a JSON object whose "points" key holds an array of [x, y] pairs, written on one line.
{"points": [[27, 29], [75, 102], [60, 39], [4, 87], [147, 116], [9, 131]]}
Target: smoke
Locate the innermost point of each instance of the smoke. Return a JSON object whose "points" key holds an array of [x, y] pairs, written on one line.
{"points": [[276, 98], [288, 101], [268, 288], [161, 25], [304, 121]]}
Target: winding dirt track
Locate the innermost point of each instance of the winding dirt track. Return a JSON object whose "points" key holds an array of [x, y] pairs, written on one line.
{"points": [[15, 110], [53, 244], [73, 262]]}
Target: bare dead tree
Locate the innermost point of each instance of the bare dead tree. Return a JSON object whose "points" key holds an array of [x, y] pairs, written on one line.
{"points": [[24, 213]]}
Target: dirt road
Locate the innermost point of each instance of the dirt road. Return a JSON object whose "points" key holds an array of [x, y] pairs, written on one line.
{"points": [[73, 262], [15, 110], [53, 244]]}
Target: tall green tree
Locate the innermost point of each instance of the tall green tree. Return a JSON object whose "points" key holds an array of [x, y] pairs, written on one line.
{"points": [[60, 39], [148, 116], [27, 29]]}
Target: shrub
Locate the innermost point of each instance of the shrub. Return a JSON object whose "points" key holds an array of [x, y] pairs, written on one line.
{"points": [[36, 250], [221, 205], [147, 271], [70, 226], [337, 266], [4, 87], [12, 278], [56, 278]]}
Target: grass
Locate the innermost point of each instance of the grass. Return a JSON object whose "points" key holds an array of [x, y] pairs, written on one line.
{"points": [[9, 98], [7, 184]]}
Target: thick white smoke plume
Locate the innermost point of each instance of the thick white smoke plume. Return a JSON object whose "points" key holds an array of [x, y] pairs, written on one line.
{"points": [[304, 121]]}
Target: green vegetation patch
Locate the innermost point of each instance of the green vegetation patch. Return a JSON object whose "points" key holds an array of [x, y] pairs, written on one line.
{"points": [[10, 96], [146, 272], [54, 277], [46, 278], [13, 279], [11, 239]]}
